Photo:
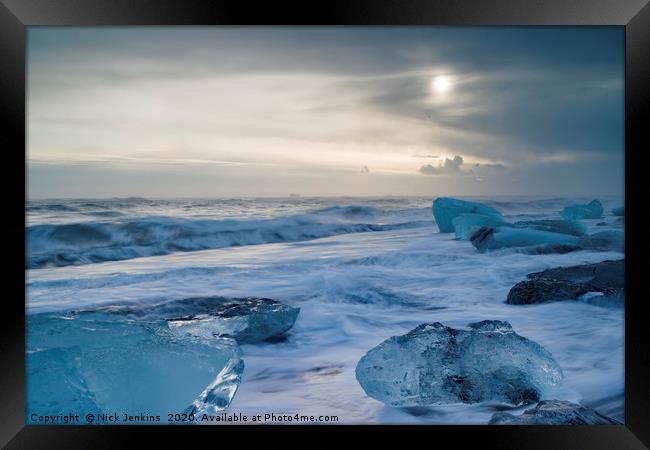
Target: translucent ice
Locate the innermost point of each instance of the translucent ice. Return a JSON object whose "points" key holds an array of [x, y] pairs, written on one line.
{"points": [[435, 364], [554, 412], [247, 320], [465, 224], [620, 211], [592, 210], [88, 362], [55, 383], [218, 394], [446, 209], [555, 226], [487, 238], [610, 240]]}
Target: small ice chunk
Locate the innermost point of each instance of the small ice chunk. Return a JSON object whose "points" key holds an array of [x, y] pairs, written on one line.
{"points": [[592, 210], [434, 364], [609, 299], [488, 238], [91, 361], [554, 412], [445, 209], [466, 223], [610, 240], [620, 211]]}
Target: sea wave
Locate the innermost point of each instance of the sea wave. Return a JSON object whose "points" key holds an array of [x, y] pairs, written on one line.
{"points": [[91, 242]]}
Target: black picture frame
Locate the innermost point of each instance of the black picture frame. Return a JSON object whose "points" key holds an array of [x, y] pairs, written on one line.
{"points": [[16, 15]]}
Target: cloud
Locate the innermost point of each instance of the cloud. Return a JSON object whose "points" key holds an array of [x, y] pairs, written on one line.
{"points": [[539, 100], [457, 166], [449, 167]]}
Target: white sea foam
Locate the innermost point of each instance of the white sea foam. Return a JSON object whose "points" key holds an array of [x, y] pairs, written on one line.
{"points": [[354, 291]]}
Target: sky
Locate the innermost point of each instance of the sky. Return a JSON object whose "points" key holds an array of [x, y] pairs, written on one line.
{"points": [[324, 111]]}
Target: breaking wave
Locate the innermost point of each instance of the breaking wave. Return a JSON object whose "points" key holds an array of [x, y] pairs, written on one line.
{"points": [[91, 242]]}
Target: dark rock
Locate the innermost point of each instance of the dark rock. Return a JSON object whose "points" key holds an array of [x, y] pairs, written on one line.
{"points": [[602, 275], [606, 278], [543, 290], [554, 412]]}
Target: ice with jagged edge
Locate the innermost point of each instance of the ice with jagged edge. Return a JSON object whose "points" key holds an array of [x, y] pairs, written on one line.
{"points": [[554, 226], [466, 223], [592, 210], [445, 209], [91, 362], [434, 364], [488, 238], [218, 394], [247, 320]]}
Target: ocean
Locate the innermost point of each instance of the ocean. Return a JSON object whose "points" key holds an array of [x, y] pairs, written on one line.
{"points": [[360, 270]]}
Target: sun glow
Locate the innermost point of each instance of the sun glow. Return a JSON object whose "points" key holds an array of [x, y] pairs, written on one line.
{"points": [[441, 84]]}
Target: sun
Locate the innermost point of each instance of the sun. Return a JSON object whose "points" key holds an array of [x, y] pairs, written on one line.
{"points": [[441, 84]]}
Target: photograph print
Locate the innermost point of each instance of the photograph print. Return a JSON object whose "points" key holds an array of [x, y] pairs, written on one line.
{"points": [[325, 225]]}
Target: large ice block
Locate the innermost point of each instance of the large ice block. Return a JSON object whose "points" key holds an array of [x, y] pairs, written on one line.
{"points": [[446, 209], [434, 364], [87, 362]]}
